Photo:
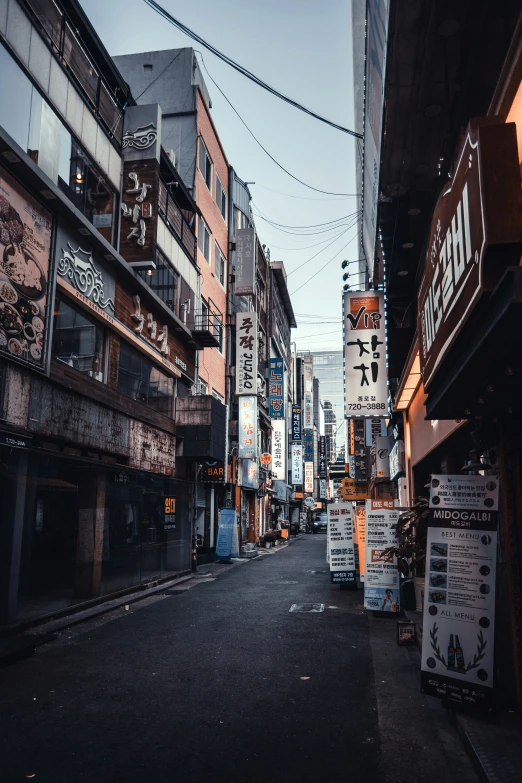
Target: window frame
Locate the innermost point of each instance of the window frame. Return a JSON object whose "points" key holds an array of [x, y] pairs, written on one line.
{"points": [[222, 207], [207, 175], [202, 224], [97, 325], [218, 252], [147, 360]]}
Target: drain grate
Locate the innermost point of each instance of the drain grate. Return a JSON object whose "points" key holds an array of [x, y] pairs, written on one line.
{"points": [[307, 608]]}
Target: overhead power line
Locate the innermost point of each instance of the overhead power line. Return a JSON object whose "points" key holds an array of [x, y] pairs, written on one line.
{"points": [[328, 262], [244, 71]]}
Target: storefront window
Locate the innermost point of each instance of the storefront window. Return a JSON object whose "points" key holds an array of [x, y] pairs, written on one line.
{"points": [[164, 282], [139, 379], [78, 341]]}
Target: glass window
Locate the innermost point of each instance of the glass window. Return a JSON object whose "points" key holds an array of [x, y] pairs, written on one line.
{"points": [[78, 341], [205, 164], [164, 282], [15, 106], [203, 387], [221, 199], [140, 380], [217, 395], [204, 237], [221, 265]]}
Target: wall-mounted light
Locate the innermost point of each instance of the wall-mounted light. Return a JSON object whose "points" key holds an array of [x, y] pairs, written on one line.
{"points": [[79, 177]]}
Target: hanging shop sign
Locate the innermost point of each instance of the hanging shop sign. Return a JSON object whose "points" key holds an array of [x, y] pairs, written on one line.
{"points": [[397, 461], [341, 549], [381, 458], [321, 448], [360, 524], [212, 471], [276, 389], [308, 374], [266, 460], [246, 353], [280, 491], [365, 354], [279, 449], [373, 428], [297, 464], [359, 464], [226, 526], [296, 424], [322, 489], [356, 435], [247, 428], [248, 474], [377, 16], [25, 244], [169, 516], [245, 262], [308, 400], [309, 477], [475, 234], [352, 490], [459, 594], [308, 443], [381, 582]]}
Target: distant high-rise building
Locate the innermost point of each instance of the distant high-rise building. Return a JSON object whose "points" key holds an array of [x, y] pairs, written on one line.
{"points": [[328, 367], [330, 431]]}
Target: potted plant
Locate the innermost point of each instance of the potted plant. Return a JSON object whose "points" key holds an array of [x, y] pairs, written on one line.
{"points": [[410, 549]]}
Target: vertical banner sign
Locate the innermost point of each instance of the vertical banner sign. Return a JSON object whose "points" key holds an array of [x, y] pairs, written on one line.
{"points": [[309, 477], [246, 353], [381, 585], [308, 422], [279, 450], [245, 262], [297, 464], [365, 354], [322, 457], [360, 521], [227, 523], [322, 489], [276, 389], [459, 595], [341, 549], [247, 428], [296, 424], [376, 37]]}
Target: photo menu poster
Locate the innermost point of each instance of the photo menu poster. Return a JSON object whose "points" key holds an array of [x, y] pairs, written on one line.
{"points": [[459, 596], [382, 591], [340, 548]]}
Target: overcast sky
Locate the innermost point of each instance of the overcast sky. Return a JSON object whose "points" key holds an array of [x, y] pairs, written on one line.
{"points": [[302, 48]]}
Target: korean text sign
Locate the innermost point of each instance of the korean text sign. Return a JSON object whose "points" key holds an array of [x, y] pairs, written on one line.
{"points": [[459, 596], [279, 449], [365, 354], [247, 427], [340, 544], [309, 477], [296, 424], [381, 583], [246, 353], [297, 464], [276, 388], [245, 261]]}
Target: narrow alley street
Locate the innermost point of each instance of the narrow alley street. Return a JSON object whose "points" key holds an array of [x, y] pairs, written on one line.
{"points": [[218, 680]]}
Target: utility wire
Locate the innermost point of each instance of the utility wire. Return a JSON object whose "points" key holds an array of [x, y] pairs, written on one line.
{"points": [[244, 71], [304, 198], [328, 262], [312, 225], [318, 190], [320, 251], [306, 247]]}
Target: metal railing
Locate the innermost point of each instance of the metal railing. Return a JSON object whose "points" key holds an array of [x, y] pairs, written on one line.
{"points": [[72, 54], [173, 217]]}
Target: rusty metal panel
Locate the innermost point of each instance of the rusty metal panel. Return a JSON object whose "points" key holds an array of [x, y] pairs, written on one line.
{"points": [[151, 449], [17, 395], [63, 414]]}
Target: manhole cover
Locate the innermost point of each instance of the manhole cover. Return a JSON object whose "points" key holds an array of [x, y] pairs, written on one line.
{"points": [[307, 608]]}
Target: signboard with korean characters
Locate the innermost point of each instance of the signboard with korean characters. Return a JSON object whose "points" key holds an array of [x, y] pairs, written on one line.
{"points": [[296, 424], [382, 589], [341, 549], [279, 449], [365, 353], [380, 454], [248, 474], [247, 428], [308, 476], [246, 353], [245, 262], [321, 449], [475, 234], [297, 464], [459, 595], [276, 389], [25, 244], [322, 489], [308, 408]]}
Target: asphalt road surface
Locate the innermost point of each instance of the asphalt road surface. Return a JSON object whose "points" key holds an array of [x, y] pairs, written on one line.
{"points": [[216, 682]]}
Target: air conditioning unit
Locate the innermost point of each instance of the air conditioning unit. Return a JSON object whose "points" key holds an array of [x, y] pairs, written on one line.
{"points": [[172, 156]]}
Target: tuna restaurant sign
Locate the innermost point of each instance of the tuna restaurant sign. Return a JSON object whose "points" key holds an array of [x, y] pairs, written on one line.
{"points": [[246, 353], [475, 234]]}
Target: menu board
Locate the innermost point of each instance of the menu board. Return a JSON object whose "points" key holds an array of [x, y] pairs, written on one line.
{"points": [[341, 550], [381, 582], [459, 595], [25, 244]]}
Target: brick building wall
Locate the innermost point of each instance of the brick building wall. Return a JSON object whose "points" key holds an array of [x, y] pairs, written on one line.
{"points": [[211, 361]]}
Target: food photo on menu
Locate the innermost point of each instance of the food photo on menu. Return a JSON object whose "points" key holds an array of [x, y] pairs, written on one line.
{"points": [[25, 242]]}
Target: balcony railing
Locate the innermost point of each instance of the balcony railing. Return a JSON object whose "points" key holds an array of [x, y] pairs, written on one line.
{"points": [[71, 52], [208, 327], [173, 217]]}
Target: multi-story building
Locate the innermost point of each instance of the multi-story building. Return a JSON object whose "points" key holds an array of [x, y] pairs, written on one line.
{"points": [[329, 369], [99, 283]]}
